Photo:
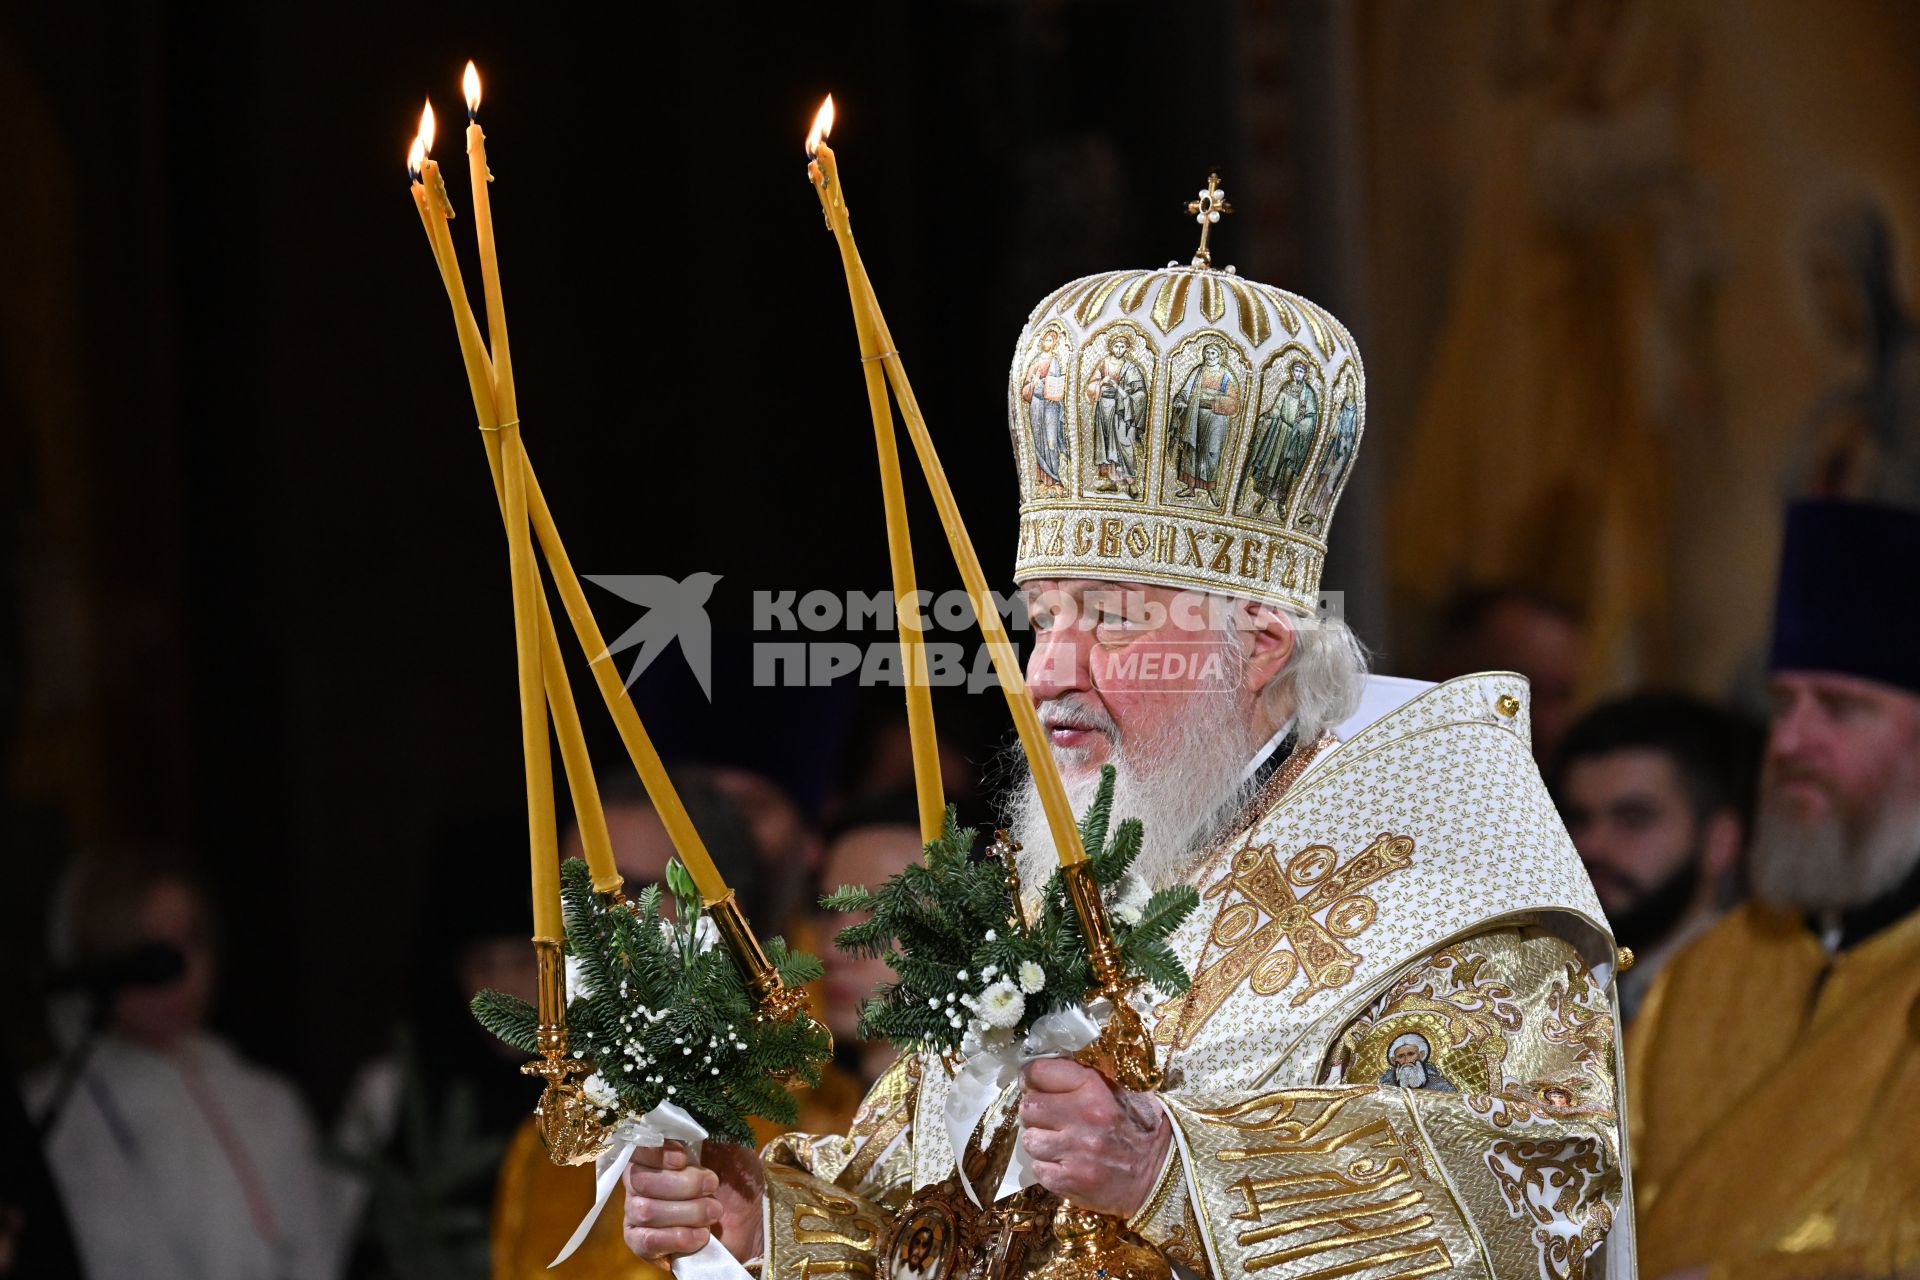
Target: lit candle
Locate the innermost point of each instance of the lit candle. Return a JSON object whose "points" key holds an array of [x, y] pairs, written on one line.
{"points": [[824, 172], [542, 838], [513, 464], [876, 346], [588, 813], [480, 176], [688, 845]]}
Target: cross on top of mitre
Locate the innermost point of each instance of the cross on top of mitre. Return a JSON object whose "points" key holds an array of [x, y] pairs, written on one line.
{"points": [[1206, 211]]}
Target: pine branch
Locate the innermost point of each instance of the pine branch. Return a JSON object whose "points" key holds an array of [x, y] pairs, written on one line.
{"points": [[508, 1018], [1166, 911], [1093, 827]]}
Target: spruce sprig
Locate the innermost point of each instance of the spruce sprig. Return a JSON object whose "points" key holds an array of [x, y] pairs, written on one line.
{"points": [[968, 969], [664, 1014]]}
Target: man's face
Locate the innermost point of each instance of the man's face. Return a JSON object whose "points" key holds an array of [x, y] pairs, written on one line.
{"points": [[1211, 354], [1546, 649], [157, 1016], [1632, 822], [867, 856], [1839, 748], [1118, 662], [1406, 1055], [641, 845], [1120, 345], [1049, 340], [1299, 373]]}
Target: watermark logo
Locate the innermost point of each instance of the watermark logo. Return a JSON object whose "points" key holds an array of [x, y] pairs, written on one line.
{"points": [[675, 611], [1114, 637]]}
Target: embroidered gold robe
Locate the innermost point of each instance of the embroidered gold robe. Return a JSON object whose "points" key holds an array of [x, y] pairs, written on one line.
{"points": [[1776, 1089], [1412, 880]]}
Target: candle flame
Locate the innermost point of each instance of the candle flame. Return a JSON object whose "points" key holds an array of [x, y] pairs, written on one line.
{"points": [[822, 126], [471, 83], [426, 128], [416, 159]]}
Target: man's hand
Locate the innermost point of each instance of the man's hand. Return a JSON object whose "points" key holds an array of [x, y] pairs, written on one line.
{"points": [[1092, 1143], [673, 1206]]}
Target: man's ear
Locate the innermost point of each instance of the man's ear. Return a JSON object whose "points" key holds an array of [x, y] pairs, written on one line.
{"points": [[1274, 638], [1720, 846]]}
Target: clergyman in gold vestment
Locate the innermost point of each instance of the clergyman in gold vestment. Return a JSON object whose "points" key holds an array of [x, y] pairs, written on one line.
{"points": [[1397, 1058], [1776, 1062]]}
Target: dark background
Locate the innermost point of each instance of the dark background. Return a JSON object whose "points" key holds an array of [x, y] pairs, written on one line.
{"points": [[296, 650]]}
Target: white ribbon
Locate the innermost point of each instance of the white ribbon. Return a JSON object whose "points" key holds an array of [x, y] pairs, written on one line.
{"points": [[985, 1075], [665, 1122]]}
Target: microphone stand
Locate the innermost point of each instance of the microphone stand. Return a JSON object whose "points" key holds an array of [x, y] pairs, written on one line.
{"points": [[73, 1064]]}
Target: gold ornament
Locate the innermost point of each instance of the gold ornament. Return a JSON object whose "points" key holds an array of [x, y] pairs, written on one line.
{"points": [[774, 1000], [1092, 1246]]}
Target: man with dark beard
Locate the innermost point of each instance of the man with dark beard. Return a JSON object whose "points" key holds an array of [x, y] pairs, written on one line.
{"points": [[1776, 1078], [1656, 790]]}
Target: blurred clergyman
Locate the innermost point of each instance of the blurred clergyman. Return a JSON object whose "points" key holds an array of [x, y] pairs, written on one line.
{"points": [[1775, 1077], [873, 842], [1656, 791], [177, 1158], [1514, 628]]}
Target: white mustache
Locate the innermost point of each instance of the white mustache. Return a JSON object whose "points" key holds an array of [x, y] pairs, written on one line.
{"points": [[1059, 715]]}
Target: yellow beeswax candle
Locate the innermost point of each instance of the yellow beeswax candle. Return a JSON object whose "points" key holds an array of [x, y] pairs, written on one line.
{"points": [[588, 812], [823, 171], [542, 836], [877, 345]]}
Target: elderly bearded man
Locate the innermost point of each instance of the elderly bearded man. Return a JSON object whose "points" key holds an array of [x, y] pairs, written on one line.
{"points": [[1776, 1056], [1411, 878]]}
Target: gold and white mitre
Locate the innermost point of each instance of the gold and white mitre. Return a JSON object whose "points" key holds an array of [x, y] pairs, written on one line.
{"points": [[1186, 427]]}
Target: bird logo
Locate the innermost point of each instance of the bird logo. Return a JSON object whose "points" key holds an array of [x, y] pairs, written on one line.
{"points": [[674, 611]]}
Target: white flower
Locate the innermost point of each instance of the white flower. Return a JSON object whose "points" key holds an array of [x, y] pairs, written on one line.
{"points": [[993, 935], [1001, 1005], [1032, 977], [705, 933], [980, 1038], [1130, 903], [962, 975], [597, 1091], [576, 979]]}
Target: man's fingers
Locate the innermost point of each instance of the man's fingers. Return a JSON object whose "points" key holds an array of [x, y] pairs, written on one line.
{"points": [[1057, 1178], [672, 1156], [645, 1211], [1056, 1075], [1049, 1145], [663, 1244], [673, 1184]]}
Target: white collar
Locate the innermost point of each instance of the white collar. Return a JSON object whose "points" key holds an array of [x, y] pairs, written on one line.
{"points": [[1261, 756]]}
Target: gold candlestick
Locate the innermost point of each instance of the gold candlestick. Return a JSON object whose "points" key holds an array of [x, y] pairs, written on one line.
{"points": [[566, 1119], [1094, 1246]]}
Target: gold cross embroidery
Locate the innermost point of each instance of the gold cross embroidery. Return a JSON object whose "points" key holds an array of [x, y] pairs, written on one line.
{"points": [[1289, 920], [1208, 210]]}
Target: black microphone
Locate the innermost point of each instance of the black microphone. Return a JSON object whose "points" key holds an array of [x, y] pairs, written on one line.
{"points": [[151, 964]]}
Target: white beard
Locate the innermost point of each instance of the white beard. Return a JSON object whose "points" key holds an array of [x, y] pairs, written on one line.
{"points": [[1181, 789], [1413, 1076], [1820, 866]]}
